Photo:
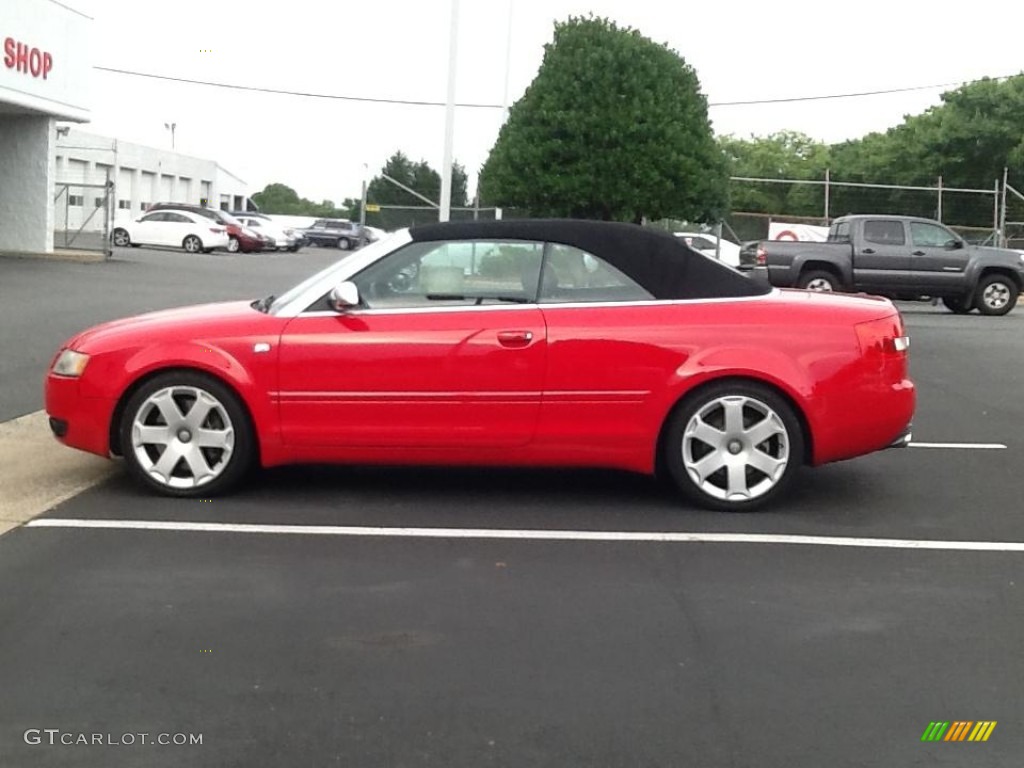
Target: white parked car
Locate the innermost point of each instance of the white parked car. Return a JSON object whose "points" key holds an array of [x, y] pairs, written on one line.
{"points": [[285, 238], [705, 243], [173, 229]]}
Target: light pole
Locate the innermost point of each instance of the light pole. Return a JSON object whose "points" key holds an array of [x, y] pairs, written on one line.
{"points": [[171, 127], [449, 118], [508, 63]]}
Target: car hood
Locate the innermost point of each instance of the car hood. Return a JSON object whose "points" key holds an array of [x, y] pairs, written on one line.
{"points": [[1002, 255], [183, 323]]}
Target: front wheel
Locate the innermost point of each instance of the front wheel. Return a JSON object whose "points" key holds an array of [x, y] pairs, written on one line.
{"points": [[733, 446], [233, 244], [192, 244], [344, 244], [186, 434], [997, 295], [818, 280]]}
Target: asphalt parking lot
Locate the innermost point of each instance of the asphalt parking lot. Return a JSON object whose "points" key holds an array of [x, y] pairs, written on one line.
{"points": [[517, 618]]}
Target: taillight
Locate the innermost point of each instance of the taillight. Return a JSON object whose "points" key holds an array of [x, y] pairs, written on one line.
{"points": [[885, 337], [762, 256], [217, 230]]}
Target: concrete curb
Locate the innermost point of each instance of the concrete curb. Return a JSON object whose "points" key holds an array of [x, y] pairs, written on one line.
{"points": [[37, 473], [83, 257]]}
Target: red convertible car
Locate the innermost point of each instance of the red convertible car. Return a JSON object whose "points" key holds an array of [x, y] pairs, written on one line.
{"points": [[529, 343]]}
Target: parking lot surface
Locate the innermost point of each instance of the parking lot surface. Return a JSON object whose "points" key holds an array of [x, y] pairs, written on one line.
{"points": [[469, 617]]}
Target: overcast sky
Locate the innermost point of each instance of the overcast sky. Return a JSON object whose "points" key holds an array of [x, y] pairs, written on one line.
{"points": [[399, 49]]}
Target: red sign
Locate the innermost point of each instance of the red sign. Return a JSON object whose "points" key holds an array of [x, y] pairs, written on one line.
{"points": [[22, 57]]}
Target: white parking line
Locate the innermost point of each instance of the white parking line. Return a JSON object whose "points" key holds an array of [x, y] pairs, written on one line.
{"points": [[554, 535], [974, 446]]}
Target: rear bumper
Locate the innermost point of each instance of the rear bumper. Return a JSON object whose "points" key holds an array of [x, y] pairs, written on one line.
{"points": [[903, 440]]}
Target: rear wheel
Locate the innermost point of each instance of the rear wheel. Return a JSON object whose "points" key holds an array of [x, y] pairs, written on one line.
{"points": [[818, 280], [733, 446], [121, 238], [960, 305], [186, 434], [192, 244], [996, 295]]}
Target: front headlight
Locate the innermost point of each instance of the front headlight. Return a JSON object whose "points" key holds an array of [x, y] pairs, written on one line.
{"points": [[70, 363]]}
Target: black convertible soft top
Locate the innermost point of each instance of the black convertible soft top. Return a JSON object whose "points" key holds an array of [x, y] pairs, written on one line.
{"points": [[664, 265]]}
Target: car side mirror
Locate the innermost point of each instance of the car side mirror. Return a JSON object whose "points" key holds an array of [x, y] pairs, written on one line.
{"points": [[954, 245], [344, 296]]}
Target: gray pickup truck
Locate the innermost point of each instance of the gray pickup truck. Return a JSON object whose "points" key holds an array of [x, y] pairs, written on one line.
{"points": [[901, 257]]}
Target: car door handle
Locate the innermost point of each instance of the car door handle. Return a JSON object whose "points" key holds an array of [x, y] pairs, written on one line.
{"points": [[918, 253], [868, 251], [515, 338]]}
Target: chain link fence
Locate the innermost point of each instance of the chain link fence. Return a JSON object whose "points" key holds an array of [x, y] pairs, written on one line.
{"points": [[82, 216], [974, 213]]}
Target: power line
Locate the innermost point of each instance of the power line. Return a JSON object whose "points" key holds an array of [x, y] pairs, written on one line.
{"points": [[421, 103]]}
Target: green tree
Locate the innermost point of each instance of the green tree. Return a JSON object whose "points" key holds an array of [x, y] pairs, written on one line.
{"points": [[967, 140], [282, 199], [418, 176], [782, 155], [614, 126]]}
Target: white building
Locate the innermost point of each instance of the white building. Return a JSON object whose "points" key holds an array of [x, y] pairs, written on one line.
{"points": [[141, 175], [45, 73], [45, 77]]}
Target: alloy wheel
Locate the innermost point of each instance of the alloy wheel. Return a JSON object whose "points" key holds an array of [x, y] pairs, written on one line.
{"points": [[735, 448], [182, 437]]}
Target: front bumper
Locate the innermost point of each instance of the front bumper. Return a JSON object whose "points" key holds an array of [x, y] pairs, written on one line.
{"points": [[77, 421]]}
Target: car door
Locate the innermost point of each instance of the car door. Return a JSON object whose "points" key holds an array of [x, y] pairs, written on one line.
{"points": [[178, 226], [882, 258], [147, 230], [447, 349], [938, 259], [605, 356]]}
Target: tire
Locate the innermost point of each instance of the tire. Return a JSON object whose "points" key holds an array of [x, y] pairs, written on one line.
{"points": [[233, 244], [818, 280], [228, 458], [344, 244], [192, 244], [293, 249], [996, 295], [959, 305], [699, 449], [121, 238]]}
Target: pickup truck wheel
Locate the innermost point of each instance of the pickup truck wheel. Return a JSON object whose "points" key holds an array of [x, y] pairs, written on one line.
{"points": [[997, 295], [958, 305], [818, 280]]}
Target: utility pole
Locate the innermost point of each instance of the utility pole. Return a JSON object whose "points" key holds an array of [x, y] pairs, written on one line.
{"points": [[171, 127], [449, 118], [362, 205]]}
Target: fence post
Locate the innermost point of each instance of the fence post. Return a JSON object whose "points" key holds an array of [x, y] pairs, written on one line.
{"points": [[939, 216], [828, 177], [1002, 216]]}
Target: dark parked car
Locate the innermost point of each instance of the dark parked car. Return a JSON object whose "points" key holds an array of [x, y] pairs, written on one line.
{"points": [[242, 238], [337, 233], [900, 257]]}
